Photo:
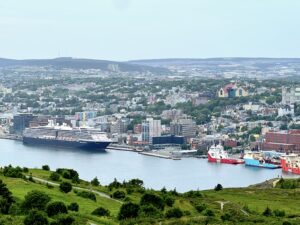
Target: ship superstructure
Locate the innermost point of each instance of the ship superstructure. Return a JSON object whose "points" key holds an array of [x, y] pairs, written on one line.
{"points": [[65, 136]]}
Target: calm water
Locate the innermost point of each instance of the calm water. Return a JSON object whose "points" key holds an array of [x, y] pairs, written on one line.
{"points": [[185, 174]]}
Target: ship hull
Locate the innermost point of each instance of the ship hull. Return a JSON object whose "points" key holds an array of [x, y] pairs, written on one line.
{"points": [[257, 163], [87, 145], [288, 168], [226, 161]]}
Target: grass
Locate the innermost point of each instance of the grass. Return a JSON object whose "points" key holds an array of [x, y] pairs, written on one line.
{"points": [[255, 198]]}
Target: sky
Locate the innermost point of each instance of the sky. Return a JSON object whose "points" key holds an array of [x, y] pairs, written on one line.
{"points": [[146, 29]]}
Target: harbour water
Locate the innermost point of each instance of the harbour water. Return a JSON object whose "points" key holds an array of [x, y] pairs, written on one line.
{"points": [[184, 175]]}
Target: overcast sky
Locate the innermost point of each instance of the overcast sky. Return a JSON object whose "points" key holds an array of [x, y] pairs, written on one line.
{"points": [[144, 29]]}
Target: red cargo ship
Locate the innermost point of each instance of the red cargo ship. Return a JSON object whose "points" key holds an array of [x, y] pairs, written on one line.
{"points": [[291, 163], [217, 154]]}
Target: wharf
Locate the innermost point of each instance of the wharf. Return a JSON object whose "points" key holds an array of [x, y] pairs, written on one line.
{"points": [[11, 137], [121, 148], [155, 155]]}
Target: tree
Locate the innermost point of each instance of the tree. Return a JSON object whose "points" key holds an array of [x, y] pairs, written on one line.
{"points": [[219, 187], [252, 138], [95, 182], [119, 194], [55, 208], [128, 210], [174, 213], [36, 218], [46, 167], [55, 176], [65, 187], [63, 219], [152, 199], [73, 207], [6, 198], [100, 211], [35, 200]]}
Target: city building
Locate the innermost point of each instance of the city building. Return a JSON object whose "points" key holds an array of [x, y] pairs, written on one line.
{"points": [[168, 140], [183, 127], [232, 90], [150, 128], [290, 95], [21, 121], [283, 141]]}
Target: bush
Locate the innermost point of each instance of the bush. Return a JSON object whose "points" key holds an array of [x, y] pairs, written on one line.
{"points": [[25, 170], [267, 212], [15, 172], [174, 213], [114, 184], [63, 219], [279, 213], [150, 211], [209, 212], [152, 199], [6, 198], [46, 167], [87, 194], [73, 207], [119, 194], [219, 187], [55, 208], [169, 201], [35, 200], [100, 211], [65, 187], [286, 223], [200, 207], [55, 176], [36, 218], [69, 174], [128, 210], [95, 182]]}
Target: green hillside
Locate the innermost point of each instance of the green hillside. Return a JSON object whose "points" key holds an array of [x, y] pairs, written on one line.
{"points": [[130, 203]]}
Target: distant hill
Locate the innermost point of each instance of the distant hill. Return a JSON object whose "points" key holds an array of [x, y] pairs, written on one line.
{"points": [[257, 62], [76, 63]]}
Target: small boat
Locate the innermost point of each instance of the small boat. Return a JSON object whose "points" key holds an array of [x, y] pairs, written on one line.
{"points": [[291, 163], [217, 154], [263, 159]]}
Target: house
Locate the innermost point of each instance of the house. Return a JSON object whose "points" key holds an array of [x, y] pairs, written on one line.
{"points": [[232, 90]]}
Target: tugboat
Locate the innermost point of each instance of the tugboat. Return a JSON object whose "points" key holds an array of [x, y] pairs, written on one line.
{"points": [[217, 154], [263, 159], [291, 163]]}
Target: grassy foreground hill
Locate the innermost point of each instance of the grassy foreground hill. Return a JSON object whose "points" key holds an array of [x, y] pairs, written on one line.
{"points": [[89, 203]]}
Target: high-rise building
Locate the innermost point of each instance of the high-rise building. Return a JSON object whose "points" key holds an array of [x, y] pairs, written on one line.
{"points": [[150, 128], [21, 121]]}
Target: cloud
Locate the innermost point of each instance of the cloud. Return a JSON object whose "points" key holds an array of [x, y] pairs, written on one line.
{"points": [[121, 4]]}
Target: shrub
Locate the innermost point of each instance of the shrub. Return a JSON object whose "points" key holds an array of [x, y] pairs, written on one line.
{"points": [[65, 187], [15, 172], [25, 170], [95, 182], [114, 184], [100, 211], [286, 223], [73, 207], [55, 176], [267, 212], [174, 213], [152, 199], [63, 219], [36, 218], [6, 198], [193, 194], [35, 200], [200, 207], [55, 208], [119, 194], [46, 167], [135, 183], [279, 213], [87, 194], [219, 187], [150, 211], [128, 210], [69, 174], [169, 201], [209, 212]]}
